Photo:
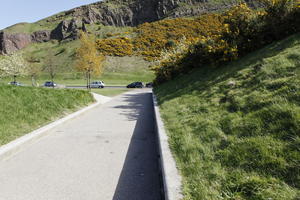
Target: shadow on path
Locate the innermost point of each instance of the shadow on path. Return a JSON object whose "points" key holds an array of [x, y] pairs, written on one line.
{"points": [[139, 179]]}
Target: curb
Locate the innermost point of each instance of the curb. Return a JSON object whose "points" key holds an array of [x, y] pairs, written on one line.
{"points": [[171, 178], [18, 144]]}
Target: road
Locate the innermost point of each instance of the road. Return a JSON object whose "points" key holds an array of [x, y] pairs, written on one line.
{"points": [[80, 87], [107, 153]]}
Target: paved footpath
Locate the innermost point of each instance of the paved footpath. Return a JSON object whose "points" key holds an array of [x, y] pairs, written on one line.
{"points": [[107, 153]]}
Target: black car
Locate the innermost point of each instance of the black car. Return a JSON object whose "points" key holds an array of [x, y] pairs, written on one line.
{"points": [[135, 85], [149, 85], [50, 84]]}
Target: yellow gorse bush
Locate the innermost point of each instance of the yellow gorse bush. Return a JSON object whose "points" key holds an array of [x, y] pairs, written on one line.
{"points": [[153, 38], [239, 31], [176, 45], [121, 46]]}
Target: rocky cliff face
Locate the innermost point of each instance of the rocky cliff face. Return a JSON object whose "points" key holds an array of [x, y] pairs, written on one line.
{"points": [[135, 12], [67, 29], [10, 43]]}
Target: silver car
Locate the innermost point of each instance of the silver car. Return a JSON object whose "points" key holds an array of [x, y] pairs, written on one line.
{"points": [[97, 84]]}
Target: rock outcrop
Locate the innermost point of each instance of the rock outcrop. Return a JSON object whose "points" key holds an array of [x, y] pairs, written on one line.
{"points": [[68, 29], [135, 12], [41, 36], [130, 12], [10, 43]]}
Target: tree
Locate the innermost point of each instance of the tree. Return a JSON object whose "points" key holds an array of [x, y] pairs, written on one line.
{"points": [[33, 69], [89, 60], [13, 65], [51, 65]]}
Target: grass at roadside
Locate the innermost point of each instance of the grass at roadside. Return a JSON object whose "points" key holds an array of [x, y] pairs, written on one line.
{"points": [[110, 92], [234, 130], [73, 79], [23, 109]]}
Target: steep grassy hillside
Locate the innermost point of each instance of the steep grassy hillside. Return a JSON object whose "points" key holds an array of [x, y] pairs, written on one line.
{"points": [[235, 130], [115, 19], [23, 109]]}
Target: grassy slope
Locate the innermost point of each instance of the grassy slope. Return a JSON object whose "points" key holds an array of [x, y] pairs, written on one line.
{"points": [[66, 50], [117, 70], [235, 130], [23, 109]]}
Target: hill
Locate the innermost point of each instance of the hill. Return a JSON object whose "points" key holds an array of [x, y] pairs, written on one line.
{"points": [[130, 50], [234, 130], [119, 13], [24, 109], [105, 19]]}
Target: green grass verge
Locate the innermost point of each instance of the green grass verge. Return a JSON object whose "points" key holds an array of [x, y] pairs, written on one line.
{"points": [[76, 79], [23, 109], [110, 92], [234, 130]]}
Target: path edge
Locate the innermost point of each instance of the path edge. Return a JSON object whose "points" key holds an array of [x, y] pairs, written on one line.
{"points": [[16, 145], [172, 181]]}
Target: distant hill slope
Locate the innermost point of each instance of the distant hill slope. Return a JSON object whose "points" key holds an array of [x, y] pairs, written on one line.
{"points": [[234, 130], [130, 49]]}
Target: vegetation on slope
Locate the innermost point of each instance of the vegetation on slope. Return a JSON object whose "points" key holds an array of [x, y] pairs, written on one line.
{"points": [[117, 70], [23, 109], [151, 39], [241, 30], [148, 40], [235, 130]]}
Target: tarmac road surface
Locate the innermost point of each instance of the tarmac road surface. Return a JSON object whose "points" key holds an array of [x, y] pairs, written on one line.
{"points": [[106, 153]]}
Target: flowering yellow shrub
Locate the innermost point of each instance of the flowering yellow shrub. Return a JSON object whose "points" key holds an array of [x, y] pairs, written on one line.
{"points": [[166, 34], [178, 45], [121, 46], [152, 38], [239, 31]]}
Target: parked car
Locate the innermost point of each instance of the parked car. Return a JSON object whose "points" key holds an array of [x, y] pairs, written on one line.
{"points": [[149, 85], [50, 84], [15, 83], [135, 85], [97, 84]]}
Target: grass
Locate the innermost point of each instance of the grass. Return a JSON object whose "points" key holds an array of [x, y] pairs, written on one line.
{"points": [[110, 92], [23, 109], [234, 130], [77, 79], [117, 70], [74, 79]]}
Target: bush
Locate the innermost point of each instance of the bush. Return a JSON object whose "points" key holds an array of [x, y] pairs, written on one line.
{"points": [[121, 46], [232, 34]]}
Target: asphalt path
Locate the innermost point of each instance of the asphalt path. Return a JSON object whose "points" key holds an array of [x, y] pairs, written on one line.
{"points": [[106, 153]]}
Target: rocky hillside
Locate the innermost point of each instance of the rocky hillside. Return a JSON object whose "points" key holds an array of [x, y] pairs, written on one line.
{"points": [[135, 12], [66, 25]]}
